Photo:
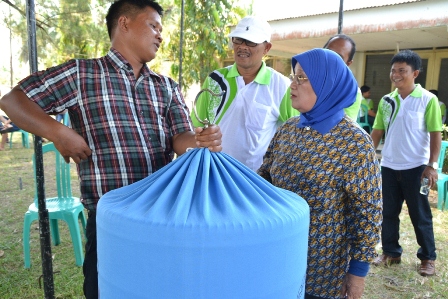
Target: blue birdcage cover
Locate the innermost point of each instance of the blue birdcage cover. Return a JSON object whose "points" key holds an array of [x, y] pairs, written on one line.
{"points": [[204, 226]]}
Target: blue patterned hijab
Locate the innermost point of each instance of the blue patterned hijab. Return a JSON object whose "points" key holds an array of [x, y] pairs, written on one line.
{"points": [[332, 82]]}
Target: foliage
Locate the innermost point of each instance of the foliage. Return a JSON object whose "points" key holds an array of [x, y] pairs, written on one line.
{"points": [[65, 29], [205, 37], [79, 34], [68, 29], [444, 132]]}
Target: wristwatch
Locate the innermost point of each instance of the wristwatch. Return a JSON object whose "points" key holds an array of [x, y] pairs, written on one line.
{"points": [[434, 165]]}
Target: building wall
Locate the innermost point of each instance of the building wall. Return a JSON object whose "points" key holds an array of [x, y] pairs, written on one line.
{"points": [[373, 69], [379, 29]]}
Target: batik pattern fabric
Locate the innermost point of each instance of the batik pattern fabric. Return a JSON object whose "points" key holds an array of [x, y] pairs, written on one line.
{"points": [[338, 174]]}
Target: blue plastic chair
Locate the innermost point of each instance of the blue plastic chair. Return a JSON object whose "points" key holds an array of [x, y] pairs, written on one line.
{"points": [[442, 180], [66, 119], [63, 207], [363, 120], [25, 138]]}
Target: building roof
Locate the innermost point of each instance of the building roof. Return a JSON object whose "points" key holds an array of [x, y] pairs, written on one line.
{"points": [[385, 25], [280, 11]]}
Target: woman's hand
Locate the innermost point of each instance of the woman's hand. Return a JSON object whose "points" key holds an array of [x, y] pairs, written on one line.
{"points": [[353, 287]]}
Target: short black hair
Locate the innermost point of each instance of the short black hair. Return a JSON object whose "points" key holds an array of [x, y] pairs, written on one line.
{"points": [[365, 88], [344, 37], [128, 7], [434, 92], [409, 57]]}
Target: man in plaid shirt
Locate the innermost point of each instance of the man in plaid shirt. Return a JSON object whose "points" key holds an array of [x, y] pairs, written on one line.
{"points": [[127, 121]]}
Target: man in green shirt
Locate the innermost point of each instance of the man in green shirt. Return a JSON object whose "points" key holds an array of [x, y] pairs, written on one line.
{"points": [[409, 119], [365, 91], [255, 99]]}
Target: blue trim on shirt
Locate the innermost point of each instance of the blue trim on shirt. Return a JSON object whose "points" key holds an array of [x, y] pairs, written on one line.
{"points": [[358, 268]]}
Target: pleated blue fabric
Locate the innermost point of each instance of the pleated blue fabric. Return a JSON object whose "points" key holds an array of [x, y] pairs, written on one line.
{"points": [[204, 226]]}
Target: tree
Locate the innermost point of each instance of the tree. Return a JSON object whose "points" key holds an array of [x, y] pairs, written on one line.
{"points": [[65, 29], [81, 31], [75, 29], [205, 37]]}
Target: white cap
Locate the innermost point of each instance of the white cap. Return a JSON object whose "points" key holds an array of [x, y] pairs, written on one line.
{"points": [[252, 29]]}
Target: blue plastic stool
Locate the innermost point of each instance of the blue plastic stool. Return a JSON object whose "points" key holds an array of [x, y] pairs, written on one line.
{"points": [[442, 203], [25, 138], [63, 207]]}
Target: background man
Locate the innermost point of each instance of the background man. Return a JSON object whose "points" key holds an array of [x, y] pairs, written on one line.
{"points": [[345, 46], [441, 105], [256, 99], [367, 101], [410, 116], [6, 126]]}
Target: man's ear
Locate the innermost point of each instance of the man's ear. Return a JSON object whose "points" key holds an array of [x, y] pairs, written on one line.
{"points": [[267, 47], [123, 23], [416, 72], [349, 62]]}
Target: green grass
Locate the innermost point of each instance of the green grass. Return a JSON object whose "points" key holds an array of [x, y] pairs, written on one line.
{"points": [[398, 281], [15, 280]]}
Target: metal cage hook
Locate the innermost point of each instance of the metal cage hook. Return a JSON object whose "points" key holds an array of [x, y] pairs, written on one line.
{"points": [[205, 122]]}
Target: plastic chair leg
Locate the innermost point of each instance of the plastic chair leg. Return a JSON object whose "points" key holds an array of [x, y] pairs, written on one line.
{"points": [[441, 194], [10, 139], [28, 219], [82, 218], [75, 233], [25, 140], [445, 201], [54, 229]]}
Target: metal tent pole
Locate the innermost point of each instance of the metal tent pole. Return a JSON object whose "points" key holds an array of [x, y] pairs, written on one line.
{"points": [[181, 43], [341, 17], [44, 226]]}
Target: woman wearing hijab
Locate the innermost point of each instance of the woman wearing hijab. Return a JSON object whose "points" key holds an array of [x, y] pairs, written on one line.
{"points": [[327, 159]]}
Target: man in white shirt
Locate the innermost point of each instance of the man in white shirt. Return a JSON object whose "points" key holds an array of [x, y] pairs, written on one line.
{"points": [[256, 98], [410, 118]]}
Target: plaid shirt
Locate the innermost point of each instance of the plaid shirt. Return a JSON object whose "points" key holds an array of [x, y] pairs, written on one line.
{"points": [[128, 123]]}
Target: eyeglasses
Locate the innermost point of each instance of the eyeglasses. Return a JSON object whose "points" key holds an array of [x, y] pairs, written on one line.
{"points": [[240, 41], [297, 79]]}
